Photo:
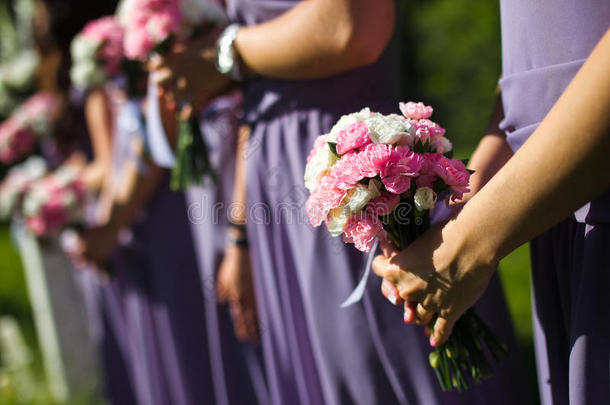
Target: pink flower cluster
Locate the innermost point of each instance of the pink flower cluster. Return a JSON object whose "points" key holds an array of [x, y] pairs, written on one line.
{"points": [[30, 121], [149, 23], [16, 184], [54, 202], [383, 173], [108, 33]]}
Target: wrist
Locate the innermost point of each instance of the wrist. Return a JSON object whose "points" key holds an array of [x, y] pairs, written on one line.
{"points": [[465, 248]]}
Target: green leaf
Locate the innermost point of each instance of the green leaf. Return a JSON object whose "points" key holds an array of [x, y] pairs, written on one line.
{"points": [[333, 148]]}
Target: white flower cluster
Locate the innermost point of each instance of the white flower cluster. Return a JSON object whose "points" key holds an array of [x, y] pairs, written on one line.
{"points": [[16, 183], [86, 71]]}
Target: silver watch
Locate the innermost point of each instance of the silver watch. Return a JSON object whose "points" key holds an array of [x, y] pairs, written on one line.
{"points": [[227, 61]]}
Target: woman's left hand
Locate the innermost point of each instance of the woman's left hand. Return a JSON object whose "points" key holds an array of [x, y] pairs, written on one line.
{"points": [[188, 71], [441, 274]]}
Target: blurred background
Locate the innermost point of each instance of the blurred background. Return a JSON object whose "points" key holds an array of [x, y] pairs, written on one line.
{"points": [[452, 61]]}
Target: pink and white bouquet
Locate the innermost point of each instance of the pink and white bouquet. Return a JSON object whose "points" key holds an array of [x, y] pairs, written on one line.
{"points": [[151, 25], [377, 176], [16, 184], [97, 53], [54, 202], [31, 121]]}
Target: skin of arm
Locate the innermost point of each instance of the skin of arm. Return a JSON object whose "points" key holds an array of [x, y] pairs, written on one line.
{"points": [[562, 165], [234, 280], [99, 123], [314, 39]]}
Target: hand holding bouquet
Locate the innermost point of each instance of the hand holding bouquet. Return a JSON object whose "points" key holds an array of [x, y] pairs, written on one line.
{"points": [[97, 53], [378, 176], [54, 201], [31, 121], [153, 27]]}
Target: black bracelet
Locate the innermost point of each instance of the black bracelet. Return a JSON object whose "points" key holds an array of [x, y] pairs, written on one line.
{"points": [[241, 242]]}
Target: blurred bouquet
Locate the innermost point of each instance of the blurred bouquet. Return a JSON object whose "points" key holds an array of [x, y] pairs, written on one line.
{"points": [[152, 27], [378, 176], [17, 182], [54, 201], [31, 121], [97, 53]]}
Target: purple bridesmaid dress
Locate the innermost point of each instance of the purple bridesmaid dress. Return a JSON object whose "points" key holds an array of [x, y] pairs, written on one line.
{"points": [[154, 303], [543, 47], [233, 364], [316, 353]]}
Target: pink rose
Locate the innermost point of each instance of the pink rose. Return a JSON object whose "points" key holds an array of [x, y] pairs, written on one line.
{"points": [[402, 166], [346, 172], [427, 174], [361, 230], [374, 158], [354, 136], [383, 205], [324, 198], [433, 128], [415, 110], [453, 172]]}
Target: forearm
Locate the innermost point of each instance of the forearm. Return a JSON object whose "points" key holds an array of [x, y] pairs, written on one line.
{"points": [[141, 190], [238, 215], [563, 165], [317, 38], [99, 123], [491, 154]]}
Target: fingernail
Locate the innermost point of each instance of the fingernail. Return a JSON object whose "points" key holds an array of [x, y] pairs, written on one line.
{"points": [[407, 315], [392, 299], [432, 341]]}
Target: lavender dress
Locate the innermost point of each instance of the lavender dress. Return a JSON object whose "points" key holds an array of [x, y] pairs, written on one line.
{"points": [[154, 304], [315, 352], [543, 47], [233, 364]]}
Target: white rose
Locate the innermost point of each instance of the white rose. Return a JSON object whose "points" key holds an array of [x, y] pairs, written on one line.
{"points": [[442, 145], [318, 166], [425, 198], [347, 120], [357, 198], [86, 74], [83, 49], [19, 71], [32, 202], [337, 219], [388, 130]]}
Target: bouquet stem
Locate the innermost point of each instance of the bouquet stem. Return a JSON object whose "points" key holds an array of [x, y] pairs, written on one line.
{"points": [[192, 159]]}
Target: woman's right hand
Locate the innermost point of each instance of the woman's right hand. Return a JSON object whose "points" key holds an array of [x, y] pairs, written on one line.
{"points": [[235, 286]]}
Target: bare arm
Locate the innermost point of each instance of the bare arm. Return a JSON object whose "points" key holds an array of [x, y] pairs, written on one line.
{"points": [[99, 123], [318, 38]]}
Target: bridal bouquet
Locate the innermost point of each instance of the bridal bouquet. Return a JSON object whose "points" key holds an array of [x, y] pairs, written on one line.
{"points": [[17, 182], [151, 27], [97, 53], [54, 201], [31, 121], [378, 176]]}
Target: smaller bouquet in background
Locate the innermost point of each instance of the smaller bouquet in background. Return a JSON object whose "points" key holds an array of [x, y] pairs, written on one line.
{"points": [[97, 53], [54, 202], [19, 134], [17, 182], [378, 176], [152, 27]]}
